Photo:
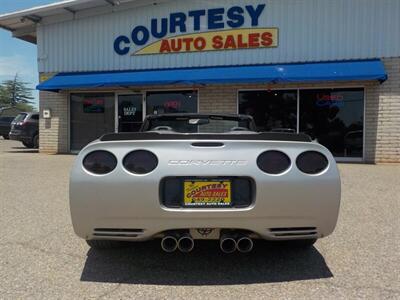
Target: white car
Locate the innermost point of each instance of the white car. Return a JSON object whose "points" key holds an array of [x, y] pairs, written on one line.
{"points": [[186, 177]]}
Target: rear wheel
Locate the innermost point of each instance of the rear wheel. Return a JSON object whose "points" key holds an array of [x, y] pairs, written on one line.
{"points": [[27, 145], [6, 137], [104, 244], [35, 141]]}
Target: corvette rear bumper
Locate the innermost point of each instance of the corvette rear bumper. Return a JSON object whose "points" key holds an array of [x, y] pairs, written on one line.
{"points": [[125, 206], [141, 228]]}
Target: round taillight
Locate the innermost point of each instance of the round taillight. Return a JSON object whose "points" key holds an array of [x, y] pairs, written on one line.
{"points": [[312, 162], [100, 162], [273, 162], [140, 162]]}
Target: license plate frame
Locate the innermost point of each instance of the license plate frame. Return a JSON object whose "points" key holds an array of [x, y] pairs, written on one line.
{"points": [[207, 193]]}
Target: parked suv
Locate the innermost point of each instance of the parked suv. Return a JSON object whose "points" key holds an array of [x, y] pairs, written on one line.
{"points": [[5, 126], [25, 128]]}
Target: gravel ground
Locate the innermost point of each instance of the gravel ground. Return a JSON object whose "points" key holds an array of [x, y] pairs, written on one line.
{"points": [[40, 257]]}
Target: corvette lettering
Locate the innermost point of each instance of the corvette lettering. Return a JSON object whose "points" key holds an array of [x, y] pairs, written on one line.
{"points": [[207, 162]]}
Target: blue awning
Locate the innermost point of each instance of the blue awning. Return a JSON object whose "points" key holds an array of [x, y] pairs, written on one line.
{"points": [[283, 73]]}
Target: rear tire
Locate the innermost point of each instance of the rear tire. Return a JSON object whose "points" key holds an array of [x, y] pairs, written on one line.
{"points": [[35, 141], [28, 145], [104, 244], [6, 137]]}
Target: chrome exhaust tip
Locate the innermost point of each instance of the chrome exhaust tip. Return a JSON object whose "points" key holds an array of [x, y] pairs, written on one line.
{"points": [[185, 243], [244, 244], [227, 244], [169, 243]]}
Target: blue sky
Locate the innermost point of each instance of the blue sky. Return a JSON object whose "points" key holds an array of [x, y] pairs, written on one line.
{"points": [[17, 56]]}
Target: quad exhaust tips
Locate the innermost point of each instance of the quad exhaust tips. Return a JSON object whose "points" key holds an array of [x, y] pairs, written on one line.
{"points": [[183, 242], [229, 243]]}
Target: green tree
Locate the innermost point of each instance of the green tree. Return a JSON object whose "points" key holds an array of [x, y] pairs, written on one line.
{"points": [[3, 96], [16, 93]]}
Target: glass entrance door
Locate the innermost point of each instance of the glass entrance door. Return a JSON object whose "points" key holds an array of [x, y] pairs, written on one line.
{"points": [[130, 112], [92, 115]]}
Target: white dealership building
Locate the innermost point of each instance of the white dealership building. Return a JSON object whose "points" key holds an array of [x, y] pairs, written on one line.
{"points": [[328, 68]]}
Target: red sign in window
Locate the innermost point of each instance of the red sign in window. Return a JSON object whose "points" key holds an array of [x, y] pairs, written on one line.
{"points": [[328, 100], [93, 105], [174, 104]]}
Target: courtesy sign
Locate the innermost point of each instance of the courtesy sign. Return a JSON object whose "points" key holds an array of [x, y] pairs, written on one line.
{"points": [[214, 29]]}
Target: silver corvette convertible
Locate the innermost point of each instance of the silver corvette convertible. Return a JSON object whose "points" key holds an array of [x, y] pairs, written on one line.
{"points": [[187, 177]]}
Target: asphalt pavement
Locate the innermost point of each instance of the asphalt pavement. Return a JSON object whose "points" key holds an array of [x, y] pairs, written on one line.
{"points": [[41, 258]]}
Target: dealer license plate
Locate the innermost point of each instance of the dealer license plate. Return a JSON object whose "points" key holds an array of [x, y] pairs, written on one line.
{"points": [[205, 193]]}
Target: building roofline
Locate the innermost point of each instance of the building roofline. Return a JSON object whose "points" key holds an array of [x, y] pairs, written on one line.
{"points": [[22, 19], [44, 8]]}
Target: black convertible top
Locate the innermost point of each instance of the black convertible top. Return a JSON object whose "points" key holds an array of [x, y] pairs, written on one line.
{"points": [[250, 135], [181, 116], [262, 136]]}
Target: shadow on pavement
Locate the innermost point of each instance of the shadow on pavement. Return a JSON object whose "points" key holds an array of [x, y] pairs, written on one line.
{"points": [[24, 151], [145, 263]]}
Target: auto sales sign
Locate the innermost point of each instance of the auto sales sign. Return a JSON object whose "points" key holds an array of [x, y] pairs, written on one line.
{"points": [[214, 29]]}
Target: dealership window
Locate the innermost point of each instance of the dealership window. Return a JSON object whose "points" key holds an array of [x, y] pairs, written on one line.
{"points": [[92, 115], [171, 102], [272, 110], [335, 118], [130, 112]]}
